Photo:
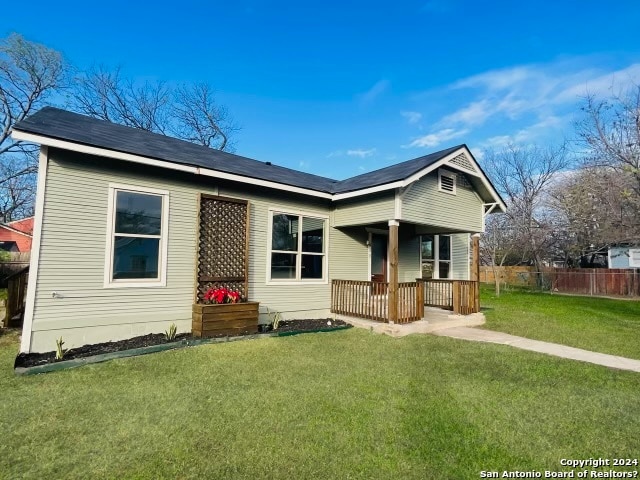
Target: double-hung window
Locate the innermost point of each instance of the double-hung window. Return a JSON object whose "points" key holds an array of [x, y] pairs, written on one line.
{"points": [[297, 248], [435, 256], [136, 237]]}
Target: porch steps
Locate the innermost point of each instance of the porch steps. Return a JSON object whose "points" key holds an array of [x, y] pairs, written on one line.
{"points": [[434, 319]]}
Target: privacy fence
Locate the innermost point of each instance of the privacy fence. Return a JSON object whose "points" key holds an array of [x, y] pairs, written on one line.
{"points": [[615, 282]]}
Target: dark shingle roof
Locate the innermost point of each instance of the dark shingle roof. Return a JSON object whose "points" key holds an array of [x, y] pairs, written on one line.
{"points": [[63, 125]]}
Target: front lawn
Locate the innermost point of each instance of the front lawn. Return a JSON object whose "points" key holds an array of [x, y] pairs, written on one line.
{"points": [[349, 404], [598, 324]]}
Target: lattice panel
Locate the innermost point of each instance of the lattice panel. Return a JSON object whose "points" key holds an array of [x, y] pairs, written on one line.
{"points": [[222, 245], [463, 162]]}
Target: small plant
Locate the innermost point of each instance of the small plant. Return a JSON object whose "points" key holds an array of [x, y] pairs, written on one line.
{"points": [[275, 318], [60, 352], [170, 335], [221, 295]]}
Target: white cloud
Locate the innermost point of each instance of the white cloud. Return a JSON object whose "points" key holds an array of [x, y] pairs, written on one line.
{"points": [[522, 103], [335, 153], [412, 117], [436, 138], [526, 134], [360, 153], [374, 92]]}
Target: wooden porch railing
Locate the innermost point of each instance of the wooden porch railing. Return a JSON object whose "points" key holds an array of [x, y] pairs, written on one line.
{"points": [[461, 296], [370, 300]]}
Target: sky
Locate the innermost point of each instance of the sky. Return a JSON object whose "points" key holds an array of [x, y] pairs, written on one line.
{"points": [[342, 88]]}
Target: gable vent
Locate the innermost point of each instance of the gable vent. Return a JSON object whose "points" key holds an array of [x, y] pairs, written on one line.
{"points": [[462, 161], [446, 182]]}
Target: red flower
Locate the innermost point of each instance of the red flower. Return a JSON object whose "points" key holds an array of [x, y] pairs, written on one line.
{"points": [[221, 295]]}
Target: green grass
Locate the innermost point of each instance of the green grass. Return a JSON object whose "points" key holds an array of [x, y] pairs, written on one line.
{"points": [[348, 404], [598, 324]]}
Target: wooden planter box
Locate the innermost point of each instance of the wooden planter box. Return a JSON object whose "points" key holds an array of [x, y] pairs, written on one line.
{"points": [[224, 319]]}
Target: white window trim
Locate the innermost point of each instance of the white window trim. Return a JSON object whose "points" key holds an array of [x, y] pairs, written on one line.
{"points": [[436, 256], [164, 237], [325, 264], [447, 173]]}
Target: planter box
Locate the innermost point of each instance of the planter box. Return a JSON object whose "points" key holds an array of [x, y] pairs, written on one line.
{"points": [[224, 319]]}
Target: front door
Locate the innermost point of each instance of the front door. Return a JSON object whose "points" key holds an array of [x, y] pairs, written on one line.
{"points": [[378, 260]]}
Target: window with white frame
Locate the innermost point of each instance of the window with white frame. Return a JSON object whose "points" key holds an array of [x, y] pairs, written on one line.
{"points": [[297, 247], [447, 181], [137, 237], [435, 256]]}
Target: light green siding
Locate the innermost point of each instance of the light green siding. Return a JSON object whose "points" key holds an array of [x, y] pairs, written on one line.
{"points": [[373, 208], [349, 259], [424, 204], [292, 301], [408, 255], [73, 249], [460, 256]]}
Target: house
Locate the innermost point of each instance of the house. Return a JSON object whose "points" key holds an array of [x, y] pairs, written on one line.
{"points": [[624, 255], [155, 221], [16, 236]]}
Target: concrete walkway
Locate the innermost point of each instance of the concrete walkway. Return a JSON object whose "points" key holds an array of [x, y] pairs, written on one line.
{"points": [[478, 335]]}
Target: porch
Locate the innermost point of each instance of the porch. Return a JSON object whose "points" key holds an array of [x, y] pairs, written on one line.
{"points": [[374, 300]]}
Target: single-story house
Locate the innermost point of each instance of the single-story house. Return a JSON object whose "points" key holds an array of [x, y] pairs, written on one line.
{"points": [[16, 236], [155, 221]]}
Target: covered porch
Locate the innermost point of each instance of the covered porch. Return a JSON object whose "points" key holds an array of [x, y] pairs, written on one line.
{"points": [[385, 299]]}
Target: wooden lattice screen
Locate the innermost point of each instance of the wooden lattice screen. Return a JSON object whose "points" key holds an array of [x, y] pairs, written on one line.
{"points": [[223, 245]]}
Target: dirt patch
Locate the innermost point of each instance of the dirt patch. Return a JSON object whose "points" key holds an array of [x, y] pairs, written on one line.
{"points": [[24, 360]]}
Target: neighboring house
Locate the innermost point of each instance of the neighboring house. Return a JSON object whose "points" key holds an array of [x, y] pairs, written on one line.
{"points": [[625, 255], [133, 202], [24, 225], [16, 236]]}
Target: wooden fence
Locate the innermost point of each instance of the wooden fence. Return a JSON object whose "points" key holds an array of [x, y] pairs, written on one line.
{"points": [[16, 293], [595, 281], [11, 263], [371, 300]]}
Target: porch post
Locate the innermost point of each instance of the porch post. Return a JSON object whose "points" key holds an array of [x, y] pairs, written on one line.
{"points": [[392, 255], [475, 269]]}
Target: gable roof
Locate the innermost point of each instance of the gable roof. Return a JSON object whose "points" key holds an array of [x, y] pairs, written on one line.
{"points": [[60, 128], [24, 225]]}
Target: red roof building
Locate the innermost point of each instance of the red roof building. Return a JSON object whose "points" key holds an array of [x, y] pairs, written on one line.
{"points": [[16, 236]]}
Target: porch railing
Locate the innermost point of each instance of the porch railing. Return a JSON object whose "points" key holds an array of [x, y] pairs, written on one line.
{"points": [[371, 300], [461, 296]]}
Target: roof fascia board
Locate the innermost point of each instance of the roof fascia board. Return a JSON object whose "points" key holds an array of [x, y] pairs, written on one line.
{"points": [[366, 191], [103, 152], [15, 230]]}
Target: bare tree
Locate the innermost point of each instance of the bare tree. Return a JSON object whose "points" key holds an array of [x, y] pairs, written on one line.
{"points": [[610, 131], [523, 176], [30, 76], [597, 207], [498, 243], [188, 112]]}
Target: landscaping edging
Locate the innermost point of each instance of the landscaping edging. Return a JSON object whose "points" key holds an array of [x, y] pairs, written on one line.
{"points": [[134, 352]]}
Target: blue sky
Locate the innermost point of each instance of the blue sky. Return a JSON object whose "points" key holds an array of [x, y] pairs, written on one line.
{"points": [[341, 88]]}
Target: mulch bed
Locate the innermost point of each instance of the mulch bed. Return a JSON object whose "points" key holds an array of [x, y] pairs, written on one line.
{"points": [[24, 360]]}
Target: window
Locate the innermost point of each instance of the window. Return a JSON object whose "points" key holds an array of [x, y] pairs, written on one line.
{"points": [[435, 256], [136, 237], [297, 248], [447, 181]]}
